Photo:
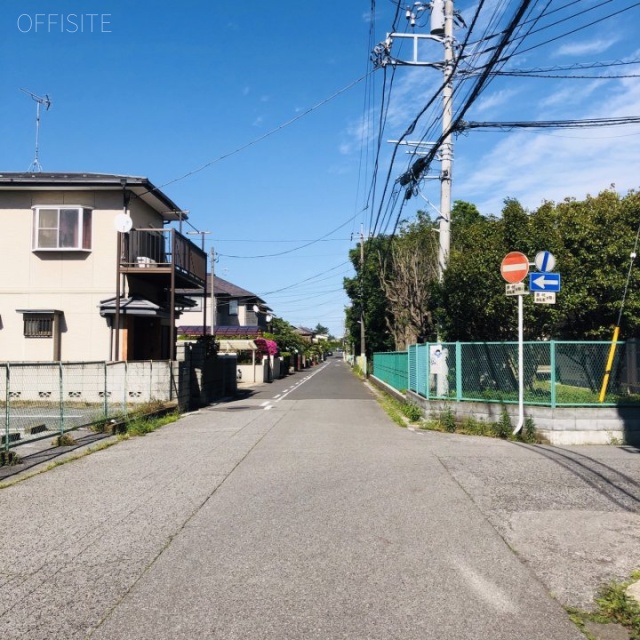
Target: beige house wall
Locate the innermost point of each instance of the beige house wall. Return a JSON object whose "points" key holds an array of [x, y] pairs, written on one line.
{"points": [[73, 282]]}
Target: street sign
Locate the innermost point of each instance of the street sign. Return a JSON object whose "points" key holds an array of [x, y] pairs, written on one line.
{"points": [[542, 297], [514, 267], [545, 261], [544, 282], [516, 289]]}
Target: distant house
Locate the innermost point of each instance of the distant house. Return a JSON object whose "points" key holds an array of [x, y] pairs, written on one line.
{"points": [[239, 313], [305, 333], [91, 268]]}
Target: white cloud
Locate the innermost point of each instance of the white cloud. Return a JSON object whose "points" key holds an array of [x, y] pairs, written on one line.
{"points": [[493, 100], [571, 95], [258, 121], [534, 167], [585, 47]]}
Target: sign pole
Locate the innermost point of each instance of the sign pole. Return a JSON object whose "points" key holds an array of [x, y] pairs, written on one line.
{"points": [[520, 364]]}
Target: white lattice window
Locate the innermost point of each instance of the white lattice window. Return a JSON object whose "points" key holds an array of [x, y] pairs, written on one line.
{"points": [[61, 228]]}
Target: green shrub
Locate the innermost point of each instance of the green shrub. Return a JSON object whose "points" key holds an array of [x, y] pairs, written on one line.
{"points": [[448, 421], [503, 428], [528, 433], [411, 411]]}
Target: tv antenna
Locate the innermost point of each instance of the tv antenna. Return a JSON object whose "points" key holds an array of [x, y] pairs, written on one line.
{"points": [[46, 101]]}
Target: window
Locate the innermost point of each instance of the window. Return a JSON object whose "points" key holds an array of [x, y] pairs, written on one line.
{"points": [[233, 307], [61, 228], [38, 325]]}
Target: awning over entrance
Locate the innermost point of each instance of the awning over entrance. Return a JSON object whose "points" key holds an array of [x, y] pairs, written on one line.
{"points": [[133, 306], [237, 345], [140, 306]]}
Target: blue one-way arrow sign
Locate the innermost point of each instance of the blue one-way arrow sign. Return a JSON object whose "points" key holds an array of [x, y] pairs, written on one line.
{"points": [[544, 282]]}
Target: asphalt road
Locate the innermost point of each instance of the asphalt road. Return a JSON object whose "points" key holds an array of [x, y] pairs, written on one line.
{"points": [[297, 511]]}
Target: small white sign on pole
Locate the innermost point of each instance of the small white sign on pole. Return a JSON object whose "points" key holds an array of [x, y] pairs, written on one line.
{"points": [[544, 297], [517, 289], [437, 359]]}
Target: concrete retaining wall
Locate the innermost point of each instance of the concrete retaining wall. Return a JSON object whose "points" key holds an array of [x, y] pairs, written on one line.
{"points": [[561, 426]]}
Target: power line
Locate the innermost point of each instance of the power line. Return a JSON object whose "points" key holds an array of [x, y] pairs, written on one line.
{"points": [[302, 246], [551, 124]]}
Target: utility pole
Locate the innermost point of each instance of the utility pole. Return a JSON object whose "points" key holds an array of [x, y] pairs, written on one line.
{"points": [[447, 144], [214, 309], [363, 352], [441, 30], [202, 234]]}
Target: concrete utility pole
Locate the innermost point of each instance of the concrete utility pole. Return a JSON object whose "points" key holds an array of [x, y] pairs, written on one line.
{"points": [[202, 234], [214, 309], [363, 351], [441, 31], [447, 144]]}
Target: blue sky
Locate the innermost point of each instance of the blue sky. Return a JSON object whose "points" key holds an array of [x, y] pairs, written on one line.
{"points": [[232, 109]]}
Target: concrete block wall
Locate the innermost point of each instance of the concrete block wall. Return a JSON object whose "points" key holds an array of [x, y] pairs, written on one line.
{"points": [[560, 426]]}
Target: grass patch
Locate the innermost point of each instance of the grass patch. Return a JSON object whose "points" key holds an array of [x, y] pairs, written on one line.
{"points": [[9, 458], [401, 412], [141, 425], [613, 605], [64, 440], [446, 422]]}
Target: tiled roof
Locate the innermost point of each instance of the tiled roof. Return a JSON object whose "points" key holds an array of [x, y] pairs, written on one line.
{"points": [[221, 331], [223, 288]]}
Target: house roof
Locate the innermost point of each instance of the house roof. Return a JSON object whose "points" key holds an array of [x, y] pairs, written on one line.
{"points": [[225, 288], [139, 186], [221, 331]]}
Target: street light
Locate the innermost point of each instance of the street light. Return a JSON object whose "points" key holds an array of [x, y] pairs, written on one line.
{"points": [[202, 234]]}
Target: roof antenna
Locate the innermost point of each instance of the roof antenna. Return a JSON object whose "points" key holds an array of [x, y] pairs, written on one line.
{"points": [[35, 166]]}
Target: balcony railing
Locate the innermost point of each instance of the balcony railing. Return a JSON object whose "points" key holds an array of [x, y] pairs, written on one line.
{"points": [[163, 249]]}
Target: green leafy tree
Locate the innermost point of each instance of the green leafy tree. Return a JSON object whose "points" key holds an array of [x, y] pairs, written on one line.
{"points": [[321, 330], [471, 304], [592, 241], [286, 337], [366, 294]]}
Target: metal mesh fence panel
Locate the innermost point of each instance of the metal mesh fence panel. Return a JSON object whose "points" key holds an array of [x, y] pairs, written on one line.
{"points": [[422, 370], [40, 400], [115, 391], [556, 373], [82, 393], [34, 400], [580, 369], [392, 368], [412, 368]]}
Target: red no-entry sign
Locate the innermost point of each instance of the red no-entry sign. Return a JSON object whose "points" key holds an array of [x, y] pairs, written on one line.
{"points": [[514, 267]]}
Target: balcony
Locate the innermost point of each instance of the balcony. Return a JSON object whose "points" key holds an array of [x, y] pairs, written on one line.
{"points": [[148, 253]]}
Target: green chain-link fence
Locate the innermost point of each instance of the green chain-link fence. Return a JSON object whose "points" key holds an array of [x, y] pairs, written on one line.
{"points": [[556, 373]]}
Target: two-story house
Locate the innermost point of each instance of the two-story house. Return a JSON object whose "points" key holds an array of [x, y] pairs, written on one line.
{"points": [[91, 268], [238, 312]]}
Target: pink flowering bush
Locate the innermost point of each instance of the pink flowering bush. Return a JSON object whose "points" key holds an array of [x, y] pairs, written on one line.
{"points": [[267, 346]]}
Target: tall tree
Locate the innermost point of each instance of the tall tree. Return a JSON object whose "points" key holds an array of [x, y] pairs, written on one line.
{"points": [[409, 271], [365, 292]]}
